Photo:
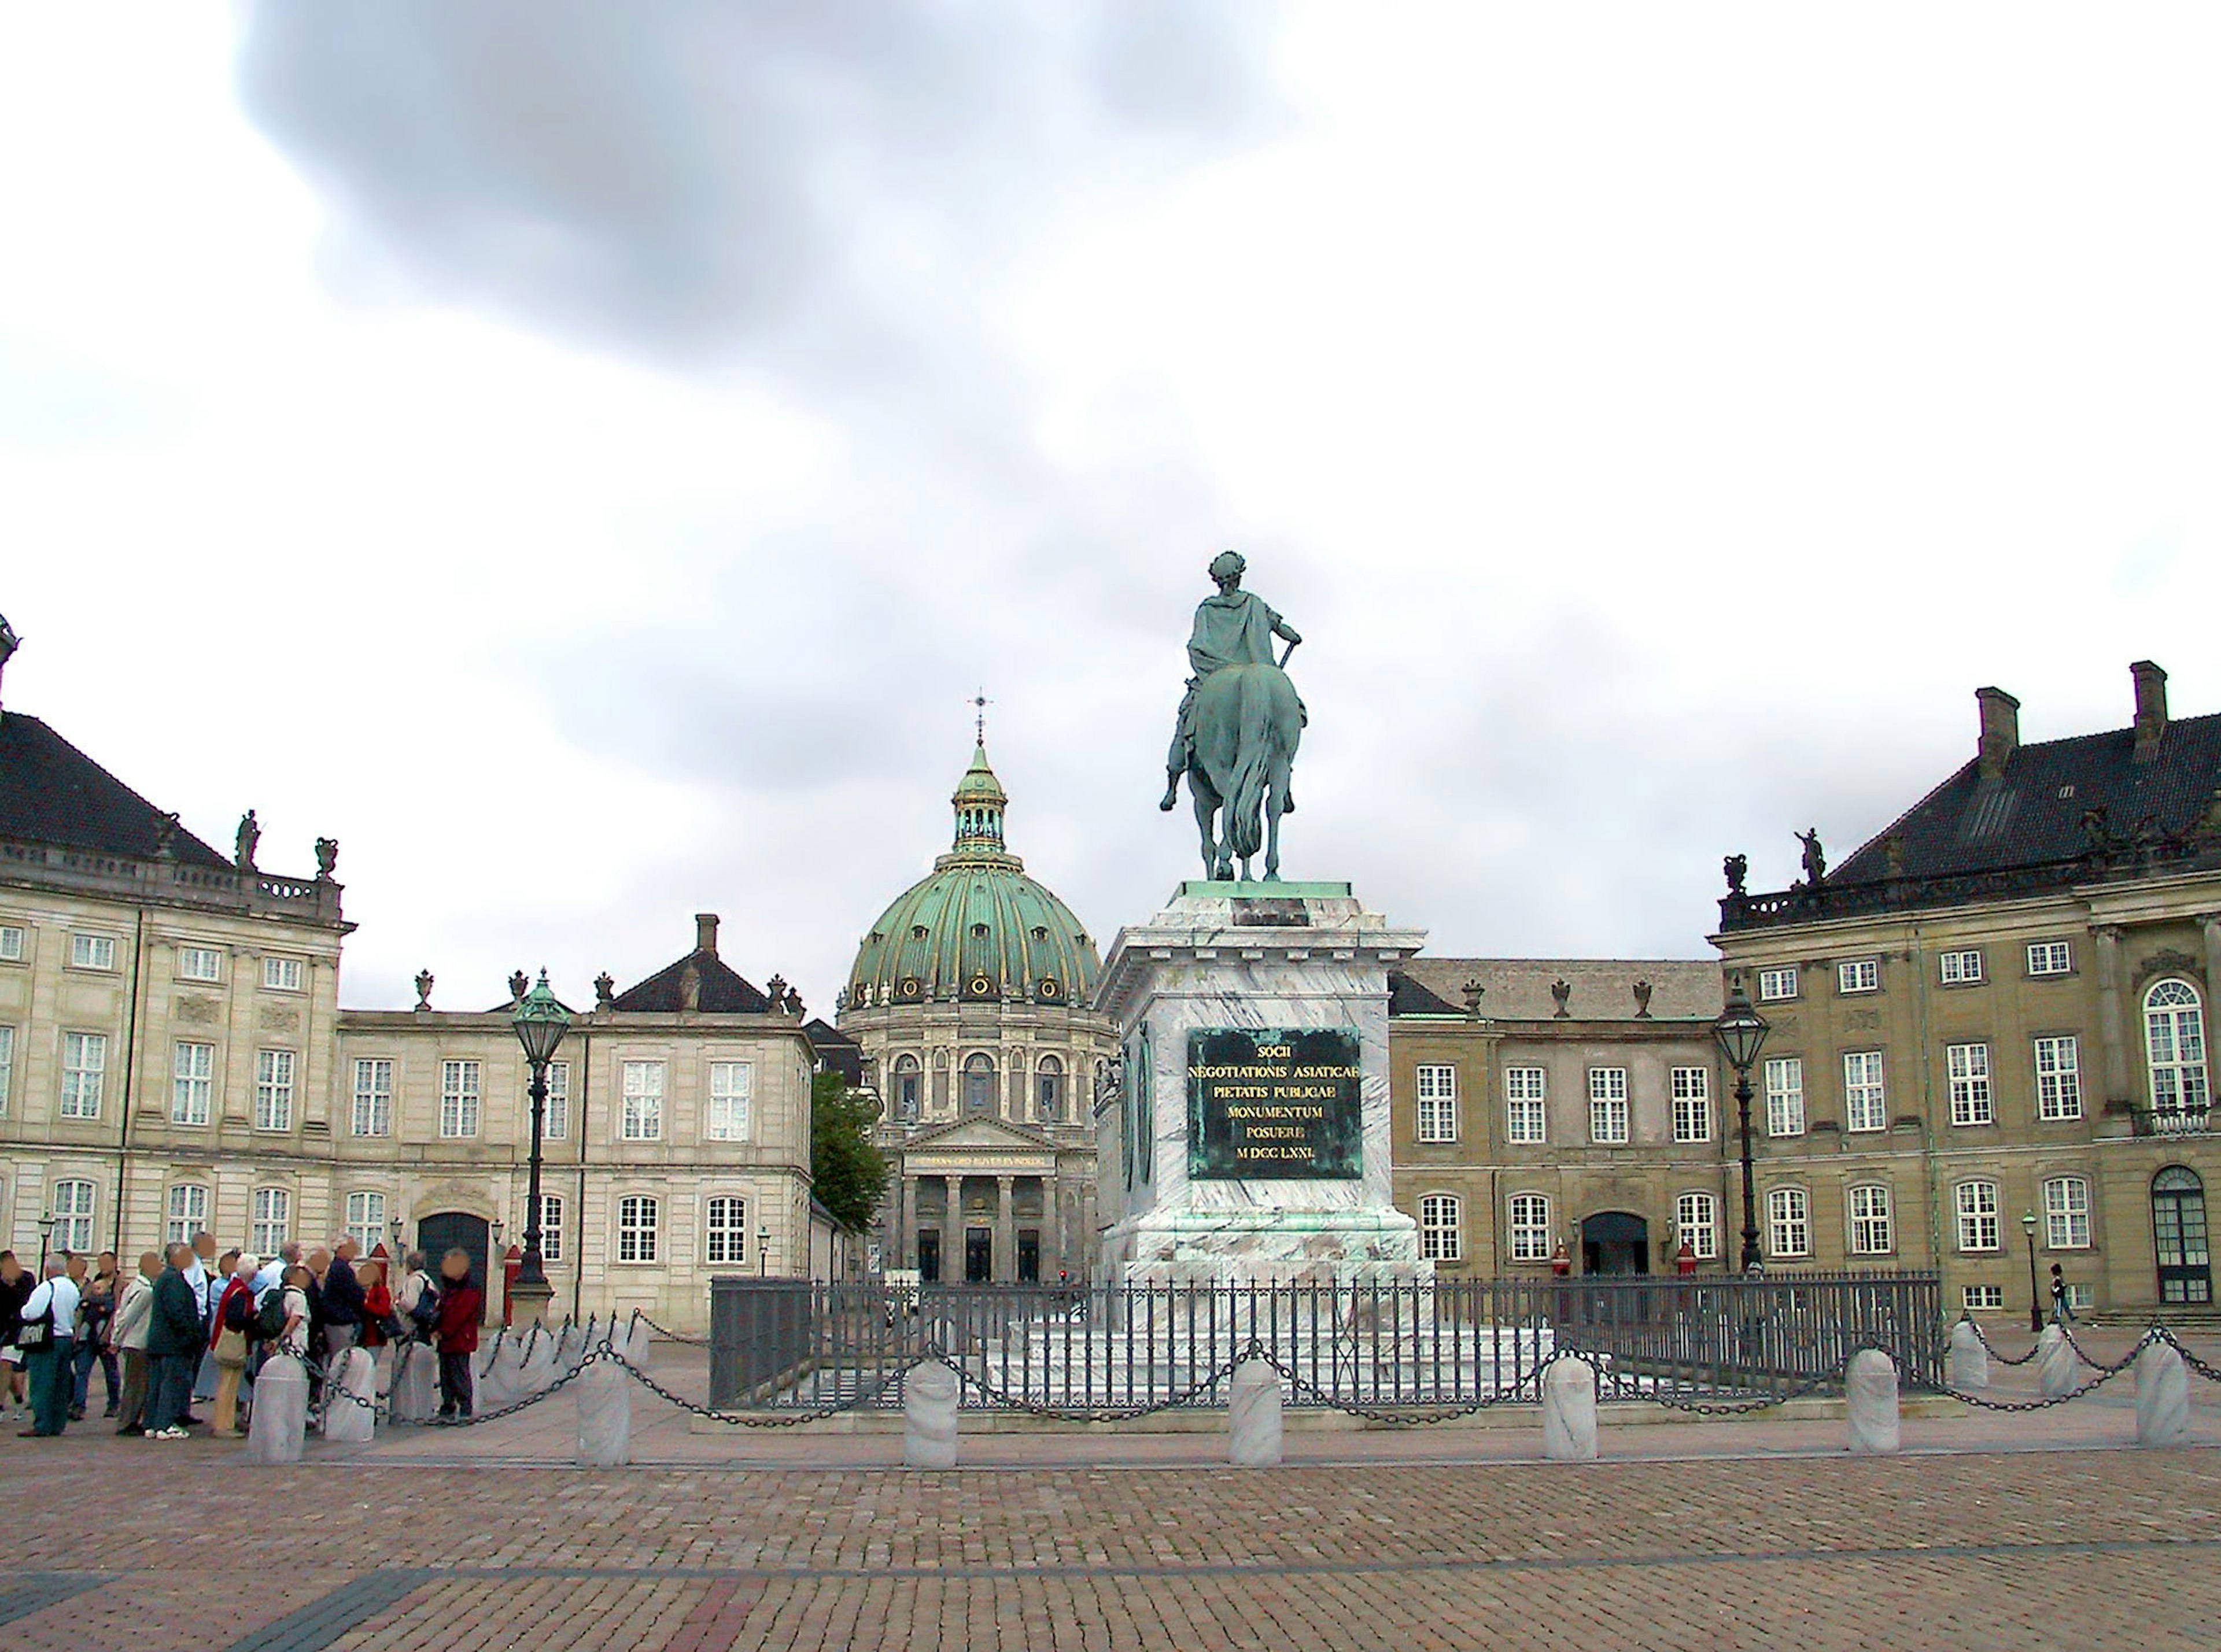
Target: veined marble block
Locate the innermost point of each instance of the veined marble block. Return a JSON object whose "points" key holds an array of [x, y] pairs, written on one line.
{"points": [[1260, 959]]}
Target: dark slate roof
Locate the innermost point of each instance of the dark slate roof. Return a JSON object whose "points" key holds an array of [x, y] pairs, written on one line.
{"points": [[836, 1051], [723, 993], [51, 792], [2019, 818], [1407, 997]]}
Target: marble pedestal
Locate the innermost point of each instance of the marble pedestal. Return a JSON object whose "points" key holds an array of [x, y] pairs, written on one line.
{"points": [[1255, 959]]}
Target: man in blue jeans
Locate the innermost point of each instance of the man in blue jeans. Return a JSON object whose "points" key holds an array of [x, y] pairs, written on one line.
{"points": [[174, 1346], [51, 1367]]}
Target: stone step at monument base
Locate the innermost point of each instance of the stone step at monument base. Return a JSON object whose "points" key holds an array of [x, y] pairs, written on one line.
{"points": [[1267, 1246]]}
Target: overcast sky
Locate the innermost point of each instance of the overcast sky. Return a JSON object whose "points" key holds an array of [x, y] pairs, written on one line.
{"points": [[585, 457]]}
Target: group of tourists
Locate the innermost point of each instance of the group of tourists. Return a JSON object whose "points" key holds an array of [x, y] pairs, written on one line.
{"points": [[193, 1326]]}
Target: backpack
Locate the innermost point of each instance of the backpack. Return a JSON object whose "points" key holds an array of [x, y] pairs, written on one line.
{"points": [[270, 1315], [426, 1313]]}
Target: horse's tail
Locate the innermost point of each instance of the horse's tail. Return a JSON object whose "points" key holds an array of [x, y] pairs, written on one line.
{"points": [[1252, 764]]}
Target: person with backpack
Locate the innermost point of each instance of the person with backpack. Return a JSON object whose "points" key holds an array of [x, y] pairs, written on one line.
{"points": [[229, 1342], [418, 1298]]}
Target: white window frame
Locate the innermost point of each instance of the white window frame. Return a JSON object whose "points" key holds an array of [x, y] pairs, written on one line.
{"points": [[1436, 1103], [85, 1075], [202, 964], [75, 1200], [1778, 984], [732, 1105], [1526, 1106], [1442, 1227], [555, 1120], [1870, 1212], [274, 1074], [282, 974], [7, 1067], [1983, 1299], [1959, 968], [270, 1223], [192, 1081], [1608, 1108], [1691, 1090], [1856, 977], [185, 1212], [1527, 1220], [2067, 1212], [1697, 1220], [2174, 1047], [1784, 1081], [551, 1227], [1788, 1223], [645, 1083], [2058, 1077], [2050, 958], [366, 1218], [93, 952], [1866, 1092], [724, 1241], [371, 1113], [640, 1218], [1975, 1203], [13, 942], [1967, 1073], [462, 1093]]}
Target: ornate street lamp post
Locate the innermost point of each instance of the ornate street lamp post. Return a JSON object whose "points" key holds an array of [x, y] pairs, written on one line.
{"points": [[46, 1225], [1742, 1032], [541, 1022], [763, 1252], [2035, 1296]]}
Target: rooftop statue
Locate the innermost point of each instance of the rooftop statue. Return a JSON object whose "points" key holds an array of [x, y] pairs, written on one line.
{"points": [[1239, 727]]}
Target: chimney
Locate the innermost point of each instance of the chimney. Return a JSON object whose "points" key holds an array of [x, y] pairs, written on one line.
{"points": [[2152, 707], [2001, 731], [705, 932]]}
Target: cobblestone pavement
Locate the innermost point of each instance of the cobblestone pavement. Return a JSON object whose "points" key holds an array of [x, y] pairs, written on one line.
{"points": [[1768, 1543]]}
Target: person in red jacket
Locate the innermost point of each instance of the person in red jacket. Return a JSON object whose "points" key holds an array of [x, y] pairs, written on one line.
{"points": [[461, 1306]]}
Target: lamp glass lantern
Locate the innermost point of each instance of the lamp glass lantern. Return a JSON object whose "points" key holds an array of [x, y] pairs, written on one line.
{"points": [[540, 1021], [1741, 1030]]}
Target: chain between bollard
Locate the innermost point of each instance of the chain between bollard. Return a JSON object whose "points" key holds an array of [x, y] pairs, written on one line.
{"points": [[2105, 1374], [1989, 1348]]}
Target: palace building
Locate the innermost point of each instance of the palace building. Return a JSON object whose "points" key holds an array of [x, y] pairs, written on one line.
{"points": [[971, 1001]]}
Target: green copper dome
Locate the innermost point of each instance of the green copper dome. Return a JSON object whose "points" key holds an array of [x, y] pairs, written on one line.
{"points": [[978, 927]]}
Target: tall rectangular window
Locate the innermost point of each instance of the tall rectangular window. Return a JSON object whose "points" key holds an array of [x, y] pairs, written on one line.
{"points": [[725, 1231], [1697, 1215], [1525, 1112], [282, 975], [1859, 975], [459, 1099], [188, 1214], [274, 1090], [643, 1101], [199, 964], [1961, 969], [1692, 1103], [2050, 958], [72, 1209], [365, 1219], [636, 1224], [1967, 1066], [1785, 1095], [11, 944], [7, 1067], [1441, 1237], [1774, 985], [84, 1069], [373, 1096], [732, 1085], [2066, 1213], [1608, 1104], [1789, 1222], [1437, 1100], [273, 1223], [192, 1083], [551, 1227], [1873, 1231], [1866, 1106], [2058, 1078], [1530, 1227], [555, 1122], [1977, 1205], [92, 951]]}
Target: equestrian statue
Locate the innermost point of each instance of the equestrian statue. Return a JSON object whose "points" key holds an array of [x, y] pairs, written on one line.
{"points": [[1239, 725]]}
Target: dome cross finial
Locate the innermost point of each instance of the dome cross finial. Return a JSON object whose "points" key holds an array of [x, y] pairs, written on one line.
{"points": [[979, 702]]}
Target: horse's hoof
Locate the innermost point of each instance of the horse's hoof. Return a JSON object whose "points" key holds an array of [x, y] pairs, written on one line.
{"points": [[1168, 802]]}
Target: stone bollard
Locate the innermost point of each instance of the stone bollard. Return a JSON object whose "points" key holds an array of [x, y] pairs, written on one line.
{"points": [[1253, 1416], [2056, 1372], [346, 1423], [2162, 1396], [931, 1392], [415, 1379], [1569, 1412], [1870, 1402], [275, 1432], [604, 1415], [634, 1346], [1968, 1365], [539, 1369]]}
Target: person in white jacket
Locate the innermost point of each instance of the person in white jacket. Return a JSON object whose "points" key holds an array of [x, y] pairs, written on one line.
{"points": [[127, 1335]]}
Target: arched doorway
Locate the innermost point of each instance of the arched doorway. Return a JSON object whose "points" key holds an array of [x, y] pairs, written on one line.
{"points": [[452, 1229], [1615, 1242], [2185, 1266]]}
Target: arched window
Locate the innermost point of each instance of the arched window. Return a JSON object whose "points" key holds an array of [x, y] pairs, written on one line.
{"points": [[1530, 1227], [638, 1219], [365, 1220], [980, 1083], [2186, 1268], [189, 1213], [272, 1223], [2066, 1213], [1976, 1203], [551, 1227], [1697, 1215], [906, 1089], [1873, 1226], [2174, 1049], [72, 1209], [1048, 1084], [1789, 1222], [1440, 1229]]}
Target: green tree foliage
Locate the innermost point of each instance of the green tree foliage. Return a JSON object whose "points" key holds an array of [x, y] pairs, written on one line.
{"points": [[851, 1173]]}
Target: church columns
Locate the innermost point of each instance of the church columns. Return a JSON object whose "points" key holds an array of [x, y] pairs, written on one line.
{"points": [[952, 1231], [905, 1245], [1005, 1267]]}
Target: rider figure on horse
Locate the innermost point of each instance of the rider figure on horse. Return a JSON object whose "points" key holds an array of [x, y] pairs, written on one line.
{"points": [[1235, 627]]}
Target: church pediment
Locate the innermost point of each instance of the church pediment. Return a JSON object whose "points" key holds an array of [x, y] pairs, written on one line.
{"points": [[975, 1135]]}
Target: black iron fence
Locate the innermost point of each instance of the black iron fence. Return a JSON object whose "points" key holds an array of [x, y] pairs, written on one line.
{"points": [[787, 1344]]}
